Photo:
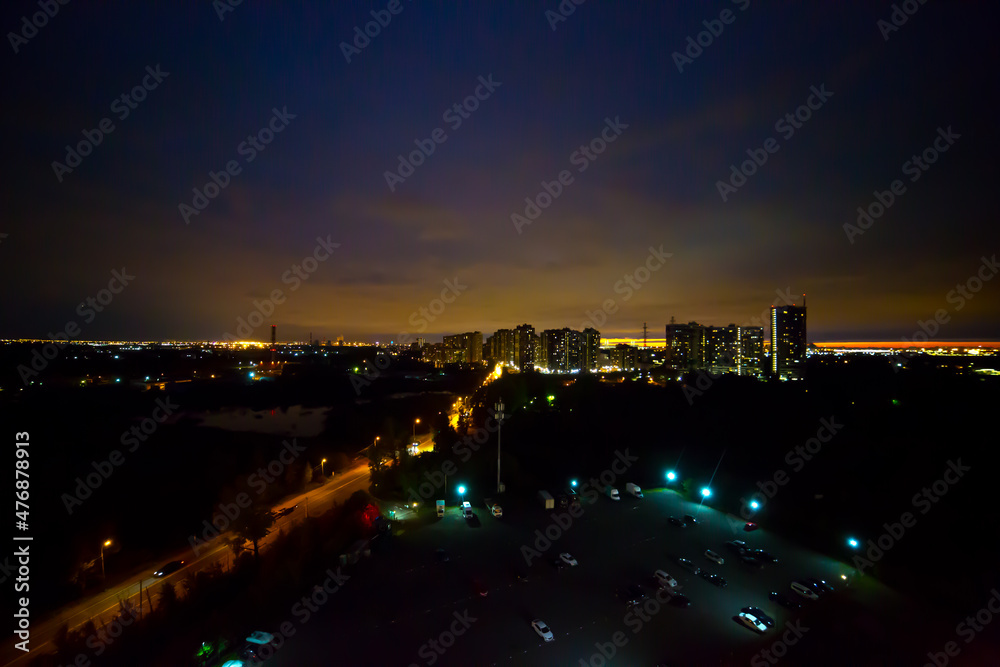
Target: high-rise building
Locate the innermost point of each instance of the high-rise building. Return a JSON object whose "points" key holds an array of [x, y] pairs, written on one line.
{"points": [[751, 351], [788, 342], [624, 357], [591, 347], [721, 349], [464, 348], [524, 347], [684, 343], [501, 347]]}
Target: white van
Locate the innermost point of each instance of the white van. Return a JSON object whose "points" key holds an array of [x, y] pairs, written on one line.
{"points": [[467, 510]]}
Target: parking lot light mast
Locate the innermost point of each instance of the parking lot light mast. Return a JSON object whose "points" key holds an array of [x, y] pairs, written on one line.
{"points": [[500, 416]]}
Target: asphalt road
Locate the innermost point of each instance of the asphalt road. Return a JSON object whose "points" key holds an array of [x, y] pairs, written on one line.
{"points": [[105, 605], [391, 606]]}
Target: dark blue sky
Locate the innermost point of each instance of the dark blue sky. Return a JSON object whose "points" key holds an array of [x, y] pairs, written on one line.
{"points": [[656, 184]]}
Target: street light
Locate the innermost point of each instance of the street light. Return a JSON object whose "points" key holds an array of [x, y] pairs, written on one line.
{"points": [[853, 543], [499, 415], [754, 505], [417, 421], [107, 543], [706, 492], [671, 476], [461, 491], [322, 468]]}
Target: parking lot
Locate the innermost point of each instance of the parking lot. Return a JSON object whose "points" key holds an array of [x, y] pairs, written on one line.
{"points": [[405, 606]]}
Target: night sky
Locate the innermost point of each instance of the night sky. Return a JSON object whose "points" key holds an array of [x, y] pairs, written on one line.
{"points": [[343, 125]]}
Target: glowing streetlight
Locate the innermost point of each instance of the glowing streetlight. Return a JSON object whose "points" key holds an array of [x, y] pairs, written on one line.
{"points": [[853, 543], [322, 468], [706, 492], [461, 492], [415, 422], [107, 543], [754, 505], [671, 476]]}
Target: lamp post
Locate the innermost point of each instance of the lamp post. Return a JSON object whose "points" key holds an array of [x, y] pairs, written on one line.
{"points": [[322, 468], [461, 491], [106, 543], [415, 422], [500, 416]]}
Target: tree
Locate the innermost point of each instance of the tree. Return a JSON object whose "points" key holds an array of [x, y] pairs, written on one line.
{"points": [[168, 597], [253, 524]]}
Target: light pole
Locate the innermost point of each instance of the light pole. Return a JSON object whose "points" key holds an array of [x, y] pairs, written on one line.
{"points": [[107, 543], [461, 491], [499, 415], [415, 422], [322, 468]]}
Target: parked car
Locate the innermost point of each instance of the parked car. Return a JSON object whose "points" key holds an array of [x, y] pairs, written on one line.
{"points": [[751, 562], [714, 557], [818, 585], [751, 621], [664, 579], [762, 555], [784, 600], [557, 563], [542, 630], [688, 565], [712, 578], [737, 546], [568, 559], [285, 511], [690, 520], [674, 521], [804, 591], [442, 556], [750, 525], [761, 616], [169, 568]]}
